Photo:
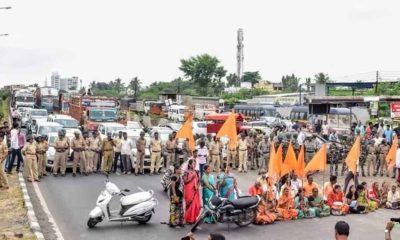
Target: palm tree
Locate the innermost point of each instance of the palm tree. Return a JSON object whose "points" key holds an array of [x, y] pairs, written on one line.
{"points": [[308, 84], [321, 78], [118, 85], [135, 85]]}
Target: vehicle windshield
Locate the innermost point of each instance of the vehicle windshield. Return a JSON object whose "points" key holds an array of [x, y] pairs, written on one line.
{"points": [[133, 125], [52, 139], [175, 126], [67, 123], [38, 113], [115, 129], [201, 125], [24, 99], [45, 130], [268, 113], [101, 115]]}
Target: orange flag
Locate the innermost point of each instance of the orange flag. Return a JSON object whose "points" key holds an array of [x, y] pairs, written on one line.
{"points": [[391, 156], [354, 155], [271, 163], [290, 162], [318, 162], [229, 129], [278, 160], [299, 170], [186, 131]]}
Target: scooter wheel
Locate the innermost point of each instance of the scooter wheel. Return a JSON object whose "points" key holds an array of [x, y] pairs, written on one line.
{"points": [[144, 221], [92, 222]]}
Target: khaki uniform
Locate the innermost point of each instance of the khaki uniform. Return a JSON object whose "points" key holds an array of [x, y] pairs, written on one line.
{"points": [[93, 153], [31, 167], [215, 148], [108, 147], [155, 146], [3, 157], [310, 147], [170, 148], [264, 149], [251, 152], [60, 155], [79, 147], [371, 158], [87, 154], [242, 145], [42, 148], [141, 147], [383, 151]]}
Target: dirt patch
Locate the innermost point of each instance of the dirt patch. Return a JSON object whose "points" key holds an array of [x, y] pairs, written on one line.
{"points": [[13, 214]]}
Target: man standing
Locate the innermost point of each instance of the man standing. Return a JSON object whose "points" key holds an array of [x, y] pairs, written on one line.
{"points": [[3, 157], [94, 152], [17, 143], [117, 152], [333, 136], [61, 145], [388, 135], [301, 137], [309, 144], [78, 145], [31, 169], [251, 141], [232, 154], [126, 148], [170, 148], [215, 150], [107, 146], [87, 152], [263, 149], [383, 151], [155, 149], [33, 127], [325, 130], [243, 146], [141, 148], [333, 159], [42, 148], [371, 157]]}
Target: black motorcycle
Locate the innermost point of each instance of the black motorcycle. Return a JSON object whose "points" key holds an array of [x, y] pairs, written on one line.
{"points": [[241, 211]]}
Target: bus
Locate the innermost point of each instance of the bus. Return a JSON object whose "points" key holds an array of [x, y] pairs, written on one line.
{"points": [[255, 111]]}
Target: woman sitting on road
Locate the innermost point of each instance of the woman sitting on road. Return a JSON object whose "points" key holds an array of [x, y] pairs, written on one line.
{"points": [[351, 198], [266, 212], [317, 202], [337, 202], [374, 194], [363, 200], [302, 205], [286, 209], [384, 194]]}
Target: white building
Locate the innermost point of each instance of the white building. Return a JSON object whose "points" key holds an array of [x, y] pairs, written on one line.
{"points": [[66, 84]]}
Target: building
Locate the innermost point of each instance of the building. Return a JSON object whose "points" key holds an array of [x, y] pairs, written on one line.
{"points": [[264, 85], [65, 84]]}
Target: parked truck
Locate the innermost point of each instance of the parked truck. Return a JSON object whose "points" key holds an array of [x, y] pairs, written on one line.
{"points": [[23, 98], [44, 97]]}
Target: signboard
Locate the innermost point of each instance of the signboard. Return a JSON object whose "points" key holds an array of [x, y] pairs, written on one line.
{"points": [[395, 110]]}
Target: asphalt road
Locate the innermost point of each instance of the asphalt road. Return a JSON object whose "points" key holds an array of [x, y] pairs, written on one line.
{"points": [[71, 199]]}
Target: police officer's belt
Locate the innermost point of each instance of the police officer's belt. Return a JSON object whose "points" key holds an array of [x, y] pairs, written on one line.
{"points": [[156, 151]]}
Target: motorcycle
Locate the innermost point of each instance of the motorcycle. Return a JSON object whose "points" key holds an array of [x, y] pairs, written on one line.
{"points": [[241, 211], [137, 207], [166, 180]]}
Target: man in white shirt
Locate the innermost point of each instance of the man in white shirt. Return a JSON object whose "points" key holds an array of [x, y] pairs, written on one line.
{"points": [[126, 149], [301, 137], [325, 130], [296, 183], [15, 148], [393, 198], [202, 154]]}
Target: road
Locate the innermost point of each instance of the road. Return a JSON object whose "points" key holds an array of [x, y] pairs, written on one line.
{"points": [[70, 200]]}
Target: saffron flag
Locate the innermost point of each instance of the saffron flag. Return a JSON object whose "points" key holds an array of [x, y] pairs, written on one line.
{"points": [[290, 162], [354, 155], [271, 165], [275, 162], [229, 129], [186, 132], [391, 156], [318, 162], [278, 161], [299, 170]]}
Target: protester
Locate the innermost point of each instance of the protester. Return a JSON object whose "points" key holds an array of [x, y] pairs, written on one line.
{"points": [[176, 216], [266, 211], [126, 146], [17, 143], [337, 202], [202, 155], [3, 157], [302, 206], [286, 209], [352, 197], [227, 184], [317, 202], [393, 198], [384, 191], [328, 186], [209, 189], [256, 189], [374, 194], [191, 193], [309, 186], [363, 200]]}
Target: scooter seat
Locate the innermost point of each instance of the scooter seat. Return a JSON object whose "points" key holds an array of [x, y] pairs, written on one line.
{"points": [[135, 198], [244, 202]]}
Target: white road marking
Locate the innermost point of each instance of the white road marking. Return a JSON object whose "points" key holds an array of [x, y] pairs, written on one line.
{"points": [[47, 211]]}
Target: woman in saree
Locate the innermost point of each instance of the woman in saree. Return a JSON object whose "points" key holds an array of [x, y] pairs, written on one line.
{"points": [[337, 202], [384, 194], [363, 200], [318, 204], [227, 183], [176, 199], [351, 198], [266, 212], [374, 194], [302, 205], [191, 193], [209, 189], [286, 210]]}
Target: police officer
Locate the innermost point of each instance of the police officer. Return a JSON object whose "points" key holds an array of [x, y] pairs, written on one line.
{"points": [[170, 148], [243, 146], [333, 159], [215, 150], [30, 162], [371, 157], [61, 145], [3, 157], [87, 151], [231, 158], [42, 148], [251, 150], [78, 145], [94, 151], [263, 150], [117, 152], [141, 147], [309, 144], [155, 150], [363, 155], [107, 147], [33, 127], [383, 151], [346, 148]]}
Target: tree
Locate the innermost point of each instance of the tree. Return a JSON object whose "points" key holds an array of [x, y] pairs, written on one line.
{"points": [[231, 80], [321, 78], [135, 85], [204, 71], [118, 85], [92, 85], [290, 83], [82, 91], [251, 77], [308, 84]]}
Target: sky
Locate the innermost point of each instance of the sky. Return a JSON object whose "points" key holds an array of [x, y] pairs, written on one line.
{"points": [[100, 40]]}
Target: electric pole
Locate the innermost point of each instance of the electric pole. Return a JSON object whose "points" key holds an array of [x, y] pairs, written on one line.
{"points": [[377, 81], [240, 57]]}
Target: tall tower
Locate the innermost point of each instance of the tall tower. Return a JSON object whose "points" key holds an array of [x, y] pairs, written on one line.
{"points": [[240, 56]]}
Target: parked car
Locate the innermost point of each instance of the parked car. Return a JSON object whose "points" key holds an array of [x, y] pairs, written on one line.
{"points": [[45, 128], [147, 157], [68, 123], [173, 126], [52, 151], [134, 125], [105, 128], [40, 115], [199, 128]]}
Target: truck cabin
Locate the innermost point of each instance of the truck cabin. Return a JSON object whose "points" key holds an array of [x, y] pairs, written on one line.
{"points": [[341, 119], [217, 120], [95, 116], [300, 115], [255, 111]]}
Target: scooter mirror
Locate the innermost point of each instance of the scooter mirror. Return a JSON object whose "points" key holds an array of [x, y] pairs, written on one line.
{"points": [[126, 190]]}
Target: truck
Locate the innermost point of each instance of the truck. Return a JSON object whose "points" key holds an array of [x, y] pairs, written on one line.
{"points": [[23, 98], [61, 104], [215, 122], [92, 110], [44, 97]]}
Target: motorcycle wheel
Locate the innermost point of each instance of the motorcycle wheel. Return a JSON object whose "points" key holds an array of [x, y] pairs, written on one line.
{"points": [[246, 218], [144, 221], [91, 223]]}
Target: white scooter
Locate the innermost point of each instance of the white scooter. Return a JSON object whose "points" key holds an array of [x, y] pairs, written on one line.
{"points": [[137, 207]]}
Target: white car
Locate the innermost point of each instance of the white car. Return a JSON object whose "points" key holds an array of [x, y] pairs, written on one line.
{"points": [[173, 126], [147, 157], [52, 151], [199, 128], [45, 128], [105, 128], [40, 115], [134, 125], [68, 123]]}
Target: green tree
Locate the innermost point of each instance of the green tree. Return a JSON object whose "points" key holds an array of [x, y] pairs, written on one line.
{"points": [[251, 77], [231, 80], [204, 71], [118, 85], [92, 85], [82, 91], [290, 83], [135, 85], [321, 78], [308, 84]]}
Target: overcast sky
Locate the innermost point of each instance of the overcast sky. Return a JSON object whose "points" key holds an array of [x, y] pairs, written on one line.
{"points": [[102, 40]]}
